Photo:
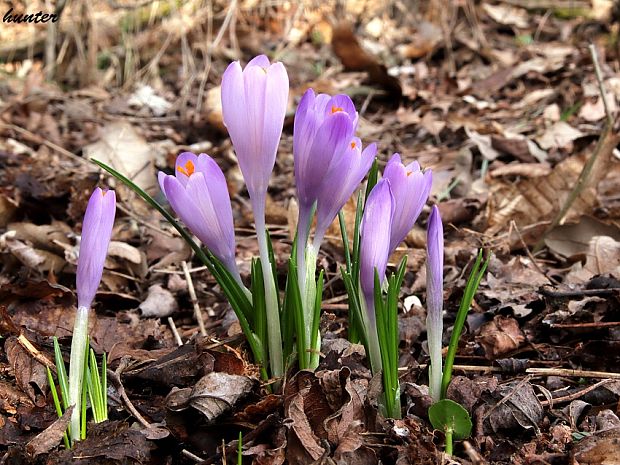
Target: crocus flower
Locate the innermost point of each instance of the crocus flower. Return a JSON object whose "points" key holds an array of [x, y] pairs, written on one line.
{"points": [[375, 233], [434, 299], [199, 195], [96, 233], [323, 127], [344, 176], [254, 103], [410, 188]]}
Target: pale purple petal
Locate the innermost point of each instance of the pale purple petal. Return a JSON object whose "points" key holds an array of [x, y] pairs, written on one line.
{"points": [[185, 166], [259, 60], [96, 234], [375, 236], [411, 189], [434, 298], [343, 178]]}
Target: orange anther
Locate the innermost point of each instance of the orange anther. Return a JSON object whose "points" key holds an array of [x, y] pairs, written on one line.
{"points": [[353, 145], [335, 109], [409, 173], [188, 170]]}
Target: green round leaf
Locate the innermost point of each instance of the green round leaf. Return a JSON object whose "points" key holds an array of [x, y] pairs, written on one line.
{"points": [[447, 414]]}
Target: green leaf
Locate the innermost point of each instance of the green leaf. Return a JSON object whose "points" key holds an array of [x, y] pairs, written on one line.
{"points": [[259, 317], [345, 239], [63, 379], [449, 416], [373, 176], [294, 307], [476, 275]]}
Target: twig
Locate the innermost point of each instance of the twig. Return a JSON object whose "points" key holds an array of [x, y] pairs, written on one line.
{"points": [[39, 140], [36, 354], [592, 324], [191, 456], [116, 381], [576, 395], [529, 254], [606, 144], [175, 332], [601, 86], [567, 372], [194, 299]]}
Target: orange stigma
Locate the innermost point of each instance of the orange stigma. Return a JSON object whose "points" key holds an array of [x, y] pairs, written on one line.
{"points": [[353, 145], [188, 170], [409, 173], [336, 109]]}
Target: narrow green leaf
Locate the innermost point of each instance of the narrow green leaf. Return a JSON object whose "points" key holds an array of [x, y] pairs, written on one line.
{"points": [[345, 239], [259, 317], [475, 277], [63, 380], [373, 175], [57, 405], [316, 317]]}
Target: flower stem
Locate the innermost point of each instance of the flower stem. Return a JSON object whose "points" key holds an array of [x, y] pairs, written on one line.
{"points": [[274, 334], [369, 325], [76, 368]]}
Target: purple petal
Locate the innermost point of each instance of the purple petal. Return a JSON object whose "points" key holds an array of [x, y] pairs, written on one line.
{"points": [[96, 234], [375, 236], [411, 189], [343, 103], [260, 60], [341, 181], [160, 178]]}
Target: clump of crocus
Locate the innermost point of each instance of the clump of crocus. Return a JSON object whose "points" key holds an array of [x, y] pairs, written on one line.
{"points": [[434, 299], [95, 239], [199, 195], [254, 101]]}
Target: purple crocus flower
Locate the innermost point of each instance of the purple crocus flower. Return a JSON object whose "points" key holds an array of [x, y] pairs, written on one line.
{"points": [[344, 176], [411, 188], [375, 233], [434, 299], [254, 103], [199, 195], [96, 233], [324, 125]]}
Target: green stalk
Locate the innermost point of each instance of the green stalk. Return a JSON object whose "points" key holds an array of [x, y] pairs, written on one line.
{"points": [[448, 441], [76, 368]]}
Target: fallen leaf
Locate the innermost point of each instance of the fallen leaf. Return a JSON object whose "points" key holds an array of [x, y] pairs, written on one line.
{"points": [[122, 148], [45, 441], [159, 303], [506, 14], [558, 136], [500, 336]]}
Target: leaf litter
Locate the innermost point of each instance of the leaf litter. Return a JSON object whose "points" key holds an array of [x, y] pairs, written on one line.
{"points": [[500, 99]]}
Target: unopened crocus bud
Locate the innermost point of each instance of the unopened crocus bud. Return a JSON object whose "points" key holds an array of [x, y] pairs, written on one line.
{"points": [[375, 238], [199, 196], [348, 169], [324, 125], [411, 188], [434, 299], [96, 233], [254, 102]]}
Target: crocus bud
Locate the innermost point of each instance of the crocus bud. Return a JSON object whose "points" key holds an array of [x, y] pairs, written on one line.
{"points": [[96, 233], [323, 127], [199, 195], [410, 188], [434, 298], [254, 102], [375, 238], [345, 174]]}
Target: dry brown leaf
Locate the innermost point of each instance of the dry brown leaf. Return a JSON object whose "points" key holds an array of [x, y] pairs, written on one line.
{"points": [[558, 136], [500, 336], [535, 201], [603, 257], [527, 170], [572, 240], [506, 14], [159, 303], [122, 148]]}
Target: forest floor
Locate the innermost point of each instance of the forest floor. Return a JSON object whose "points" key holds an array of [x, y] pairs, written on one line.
{"points": [[503, 102]]}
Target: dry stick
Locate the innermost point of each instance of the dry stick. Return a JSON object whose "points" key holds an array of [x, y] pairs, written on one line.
{"points": [[36, 354], [606, 144], [529, 254], [192, 296], [175, 332], [575, 395], [116, 381], [39, 140], [567, 372]]}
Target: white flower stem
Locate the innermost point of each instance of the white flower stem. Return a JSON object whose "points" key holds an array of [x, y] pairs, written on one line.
{"points": [[308, 296], [76, 368], [369, 327], [434, 329], [274, 334]]}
